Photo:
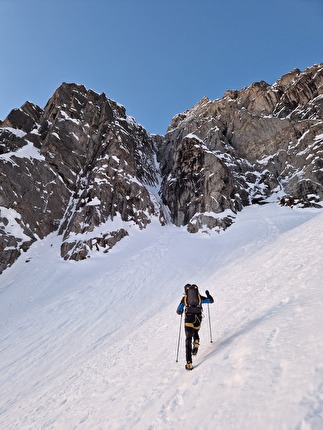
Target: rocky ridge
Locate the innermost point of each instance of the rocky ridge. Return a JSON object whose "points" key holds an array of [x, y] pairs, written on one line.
{"points": [[240, 149], [82, 168]]}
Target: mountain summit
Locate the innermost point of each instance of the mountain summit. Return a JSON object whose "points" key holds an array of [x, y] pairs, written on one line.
{"points": [[83, 168]]}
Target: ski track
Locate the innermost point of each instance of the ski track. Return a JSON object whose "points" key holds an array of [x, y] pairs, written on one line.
{"points": [[89, 355]]}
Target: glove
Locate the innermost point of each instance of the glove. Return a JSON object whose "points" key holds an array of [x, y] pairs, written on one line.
{"points": [[207, 293], [179, 312]]}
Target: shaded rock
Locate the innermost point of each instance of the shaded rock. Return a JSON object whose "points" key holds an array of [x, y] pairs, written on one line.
{"points": [[80, 249], [24, 119], [199, 181]]}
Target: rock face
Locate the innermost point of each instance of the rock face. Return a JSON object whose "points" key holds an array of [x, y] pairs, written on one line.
{"points": [[84, 169], [81, 167], [224, 154]]}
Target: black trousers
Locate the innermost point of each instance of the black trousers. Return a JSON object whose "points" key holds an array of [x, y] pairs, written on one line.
{"points": [[191, 333]]}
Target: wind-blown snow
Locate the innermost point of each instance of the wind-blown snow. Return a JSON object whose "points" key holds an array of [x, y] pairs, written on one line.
{"points": [[12, 227], [92, 344], [27, 151], [15, 131]]}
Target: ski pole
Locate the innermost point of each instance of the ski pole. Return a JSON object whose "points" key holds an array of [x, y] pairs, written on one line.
{"points": [[208, 309], [179, 337]]}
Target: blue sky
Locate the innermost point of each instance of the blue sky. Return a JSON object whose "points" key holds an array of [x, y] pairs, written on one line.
{"points": [[157, 58]]}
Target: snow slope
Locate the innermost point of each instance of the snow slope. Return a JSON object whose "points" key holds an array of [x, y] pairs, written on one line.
{"points": [[92, 344]]}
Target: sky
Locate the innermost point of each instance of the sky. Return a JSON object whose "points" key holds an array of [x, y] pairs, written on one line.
{"points": [[155, 58]]}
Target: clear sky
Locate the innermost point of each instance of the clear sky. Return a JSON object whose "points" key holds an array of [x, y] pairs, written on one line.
{"points": [[156, 57]]}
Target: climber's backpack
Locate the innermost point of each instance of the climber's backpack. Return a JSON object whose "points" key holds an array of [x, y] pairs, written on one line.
{"points": [[192, 300]]}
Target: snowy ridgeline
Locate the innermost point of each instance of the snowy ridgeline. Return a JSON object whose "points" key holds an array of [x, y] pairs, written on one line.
{"points": [[91, 345]]}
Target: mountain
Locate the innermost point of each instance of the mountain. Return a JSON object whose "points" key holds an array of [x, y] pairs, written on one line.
{"points": [[80, 167], [225, 154], [84, 169], [92, 344]]}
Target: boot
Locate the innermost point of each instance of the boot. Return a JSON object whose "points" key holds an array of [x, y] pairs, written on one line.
{"points": [[188, 366], [195, 347]]}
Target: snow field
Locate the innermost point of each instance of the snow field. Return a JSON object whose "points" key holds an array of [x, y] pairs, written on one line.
{"points": [[92, 345]]}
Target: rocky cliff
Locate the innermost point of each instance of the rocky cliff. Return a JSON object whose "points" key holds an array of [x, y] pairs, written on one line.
{"points": [[82, 168], [224, 154]]}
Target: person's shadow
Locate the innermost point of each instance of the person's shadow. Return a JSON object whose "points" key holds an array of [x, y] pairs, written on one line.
{"points": [[220, 345]]}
